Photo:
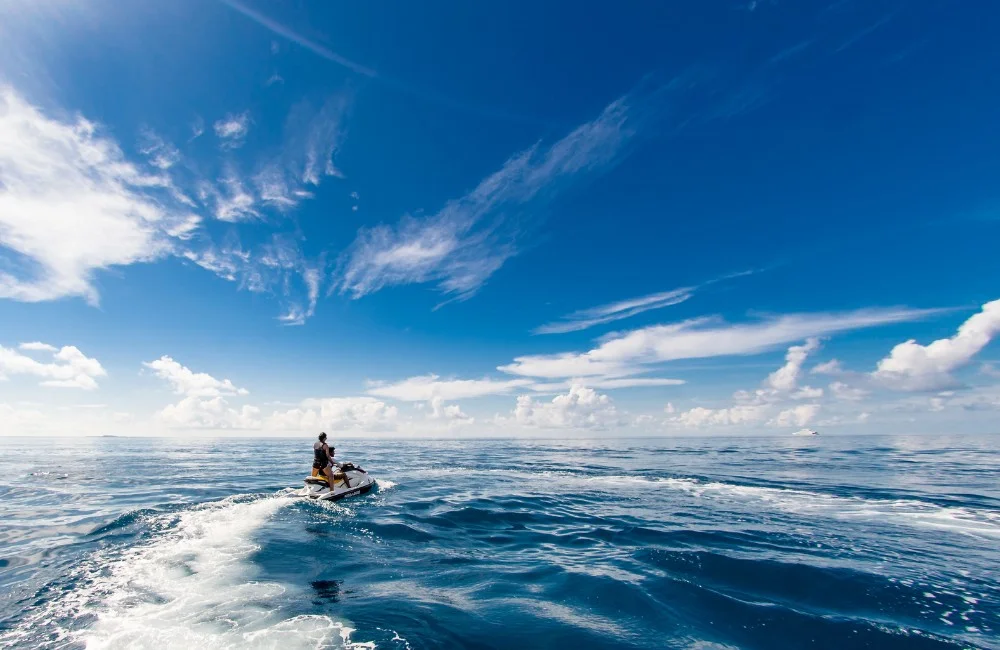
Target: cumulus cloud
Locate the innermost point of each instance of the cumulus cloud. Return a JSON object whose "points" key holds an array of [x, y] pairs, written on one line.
{"points": [[843, 391], [911, 366], [831, 367], [451, 413], [471, 237], [786, 377], [336, 414], [233, 129], [765, 405], [628, 353], [204, 405], [185, 381], [700, 416], [798, 416], [195, 412], [71, 204], [69, 368], [580, 408]]}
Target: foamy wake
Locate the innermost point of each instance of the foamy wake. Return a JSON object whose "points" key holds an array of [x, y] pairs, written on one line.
{"points": [[908, 512], [193, 586], [973, 521]]}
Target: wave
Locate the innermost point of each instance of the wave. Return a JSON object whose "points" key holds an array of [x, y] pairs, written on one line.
{"points": [[983, 522], [970, 521], [191, 585]]}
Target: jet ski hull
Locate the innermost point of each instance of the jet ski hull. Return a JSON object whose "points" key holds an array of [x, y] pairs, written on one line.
{"points": [[317, 488]]}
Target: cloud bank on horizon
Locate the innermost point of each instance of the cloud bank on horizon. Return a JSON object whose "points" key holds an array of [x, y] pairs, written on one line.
{"points": [[271, 235]]}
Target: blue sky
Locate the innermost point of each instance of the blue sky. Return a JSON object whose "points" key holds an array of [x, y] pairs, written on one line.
{"points": [[539, 219]]}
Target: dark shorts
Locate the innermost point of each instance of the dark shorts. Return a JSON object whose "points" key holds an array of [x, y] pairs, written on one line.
{"points": [[322, 467]]}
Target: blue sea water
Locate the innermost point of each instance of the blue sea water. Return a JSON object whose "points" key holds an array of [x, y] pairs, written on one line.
{"points": [[829, 542]]}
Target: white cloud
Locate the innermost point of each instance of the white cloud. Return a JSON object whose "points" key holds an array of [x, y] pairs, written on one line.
{"points": [[319, 141], [580, 408], [842, 391], [197, 128], [231, 199], [233, 129], [336, 414], [296, 314], [37, 346], [69, 367], [798, 416], [740, 414], [195, 412], [624, 354], [186, 382], [990, 370], [428, 387], [807, 392], [911, 366], [161, 154], [786, 378], [204, 405], [747, 414], [831, 367], [20, 420], [449, 412], [586, 318], [71, 204], [273, 188], [469, 239]]}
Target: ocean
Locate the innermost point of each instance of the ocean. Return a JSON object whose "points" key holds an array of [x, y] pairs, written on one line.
{"points": [[700, 543]]}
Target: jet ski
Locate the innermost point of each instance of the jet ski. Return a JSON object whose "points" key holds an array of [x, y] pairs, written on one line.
{"points": [[317, 487]]}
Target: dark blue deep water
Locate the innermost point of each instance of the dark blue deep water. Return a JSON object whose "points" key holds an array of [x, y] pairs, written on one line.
{"points": [[852, 542]]}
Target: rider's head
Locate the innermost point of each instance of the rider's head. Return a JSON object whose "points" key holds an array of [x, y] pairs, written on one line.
{"points": [[322, 437]]}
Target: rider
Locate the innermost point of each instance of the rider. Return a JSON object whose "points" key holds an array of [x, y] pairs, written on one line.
{"points": [[323, 462]]}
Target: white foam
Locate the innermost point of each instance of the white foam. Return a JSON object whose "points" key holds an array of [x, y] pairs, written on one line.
{"points": [[970, 521], [385, 484], [193, 586], [908, 512]]}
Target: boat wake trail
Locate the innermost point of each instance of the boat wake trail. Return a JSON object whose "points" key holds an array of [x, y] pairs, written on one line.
{"points": [[192, 585]]}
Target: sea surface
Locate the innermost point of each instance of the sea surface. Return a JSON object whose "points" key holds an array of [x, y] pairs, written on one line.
{"points": [[827, 542]]}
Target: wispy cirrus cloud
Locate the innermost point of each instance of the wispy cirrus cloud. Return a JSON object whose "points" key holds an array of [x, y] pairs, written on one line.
{"points": [[71, 204], [428, 387], [312, 46], [629, 353], [232, 130], [471, 237], [622, 309], [587, 318]]}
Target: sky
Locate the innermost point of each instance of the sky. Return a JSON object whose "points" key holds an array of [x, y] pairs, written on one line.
{"points": [[542, 219]]}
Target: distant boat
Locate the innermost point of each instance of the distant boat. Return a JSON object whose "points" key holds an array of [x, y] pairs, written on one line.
{"points": [[806, 432]]}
